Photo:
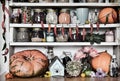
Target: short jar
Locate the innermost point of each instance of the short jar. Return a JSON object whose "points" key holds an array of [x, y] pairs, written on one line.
{"points": [[109, 36], [37, 35], [50, 36]]}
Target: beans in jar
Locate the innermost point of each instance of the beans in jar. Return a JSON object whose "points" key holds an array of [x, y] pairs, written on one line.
{"points": [[64, 17]]}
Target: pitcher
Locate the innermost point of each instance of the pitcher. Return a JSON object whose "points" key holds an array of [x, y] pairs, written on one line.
{"points": [[82, 14]]}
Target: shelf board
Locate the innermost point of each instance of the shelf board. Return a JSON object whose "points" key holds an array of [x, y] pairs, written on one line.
{"points": [[61, 44], [65, 4], [65, 25]]}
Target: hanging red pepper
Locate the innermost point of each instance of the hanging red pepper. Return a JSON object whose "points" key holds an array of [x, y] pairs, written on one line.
{"points": [[3, 7], [84, 33], [91, 28], [98, 26], [24, 16], [42, 25], [70, 33], [7, 11], [77, 31], [6, 51], [49, 28], [55, 30], [62, 31]]}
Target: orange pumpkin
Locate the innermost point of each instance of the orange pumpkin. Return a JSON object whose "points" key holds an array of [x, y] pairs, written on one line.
{"points": [[102, 61], [107, 15], [28, 63]]}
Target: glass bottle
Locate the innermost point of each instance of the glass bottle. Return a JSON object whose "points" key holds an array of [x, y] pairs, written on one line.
{"points": [[51, 17], [50, 36], [114, 67], [37, 35], [23, 35], [64, 17], [38, 16]]}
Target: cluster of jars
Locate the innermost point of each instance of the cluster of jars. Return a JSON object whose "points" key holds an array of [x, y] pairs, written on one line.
{"points": [[43, 35], [49, 16]]}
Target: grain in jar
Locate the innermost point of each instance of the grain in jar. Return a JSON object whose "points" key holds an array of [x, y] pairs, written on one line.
{"points": [[51, 17], [64, 17]]}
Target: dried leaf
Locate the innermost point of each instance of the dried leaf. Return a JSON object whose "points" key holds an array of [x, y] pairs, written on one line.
{"points": [[5, 59], [3, 34], [55, 30], [4, 46]]}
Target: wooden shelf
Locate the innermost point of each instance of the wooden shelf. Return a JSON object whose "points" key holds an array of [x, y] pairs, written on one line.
{"points": [[65, 25], [61, 44], [65, 4]]}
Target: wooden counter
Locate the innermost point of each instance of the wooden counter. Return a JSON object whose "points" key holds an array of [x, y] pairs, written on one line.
{"points": [[65, 79]]}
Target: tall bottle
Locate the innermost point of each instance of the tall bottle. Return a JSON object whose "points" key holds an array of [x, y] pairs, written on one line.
{"points": [[114, 67]]}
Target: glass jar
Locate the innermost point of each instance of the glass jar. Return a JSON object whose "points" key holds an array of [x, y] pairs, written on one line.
{"points": [[16, 16], [38, 16], [109, 36], [26, 15], [51, 17], [62, 37], [64, 17], [22, 35], [37, 35], [50, 36]]}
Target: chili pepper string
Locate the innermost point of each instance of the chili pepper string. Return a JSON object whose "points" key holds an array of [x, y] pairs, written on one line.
{"points": [[4, 48]]}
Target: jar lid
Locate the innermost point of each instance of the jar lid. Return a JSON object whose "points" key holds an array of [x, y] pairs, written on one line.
{"points": [[65, 10], [22, 29], [38, 10], [51, 10], [37, 29]]}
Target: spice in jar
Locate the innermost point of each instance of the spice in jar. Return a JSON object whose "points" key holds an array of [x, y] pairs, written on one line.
{"points": [[38, 16], [64, 17], [109, 36], [16, 16], [23, 35], [37, 35], [51, 17]]}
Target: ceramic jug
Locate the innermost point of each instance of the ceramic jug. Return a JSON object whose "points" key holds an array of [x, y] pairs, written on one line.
{"points": [[82, 14]]}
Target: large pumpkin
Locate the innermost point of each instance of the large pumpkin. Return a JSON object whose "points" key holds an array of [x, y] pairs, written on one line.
{"points": [[28, 63], [102, 61], [107, 15]]}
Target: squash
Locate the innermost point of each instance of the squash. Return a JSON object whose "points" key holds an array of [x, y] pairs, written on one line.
{"points": [[102, 61], [107, 15], [28, 63]]}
